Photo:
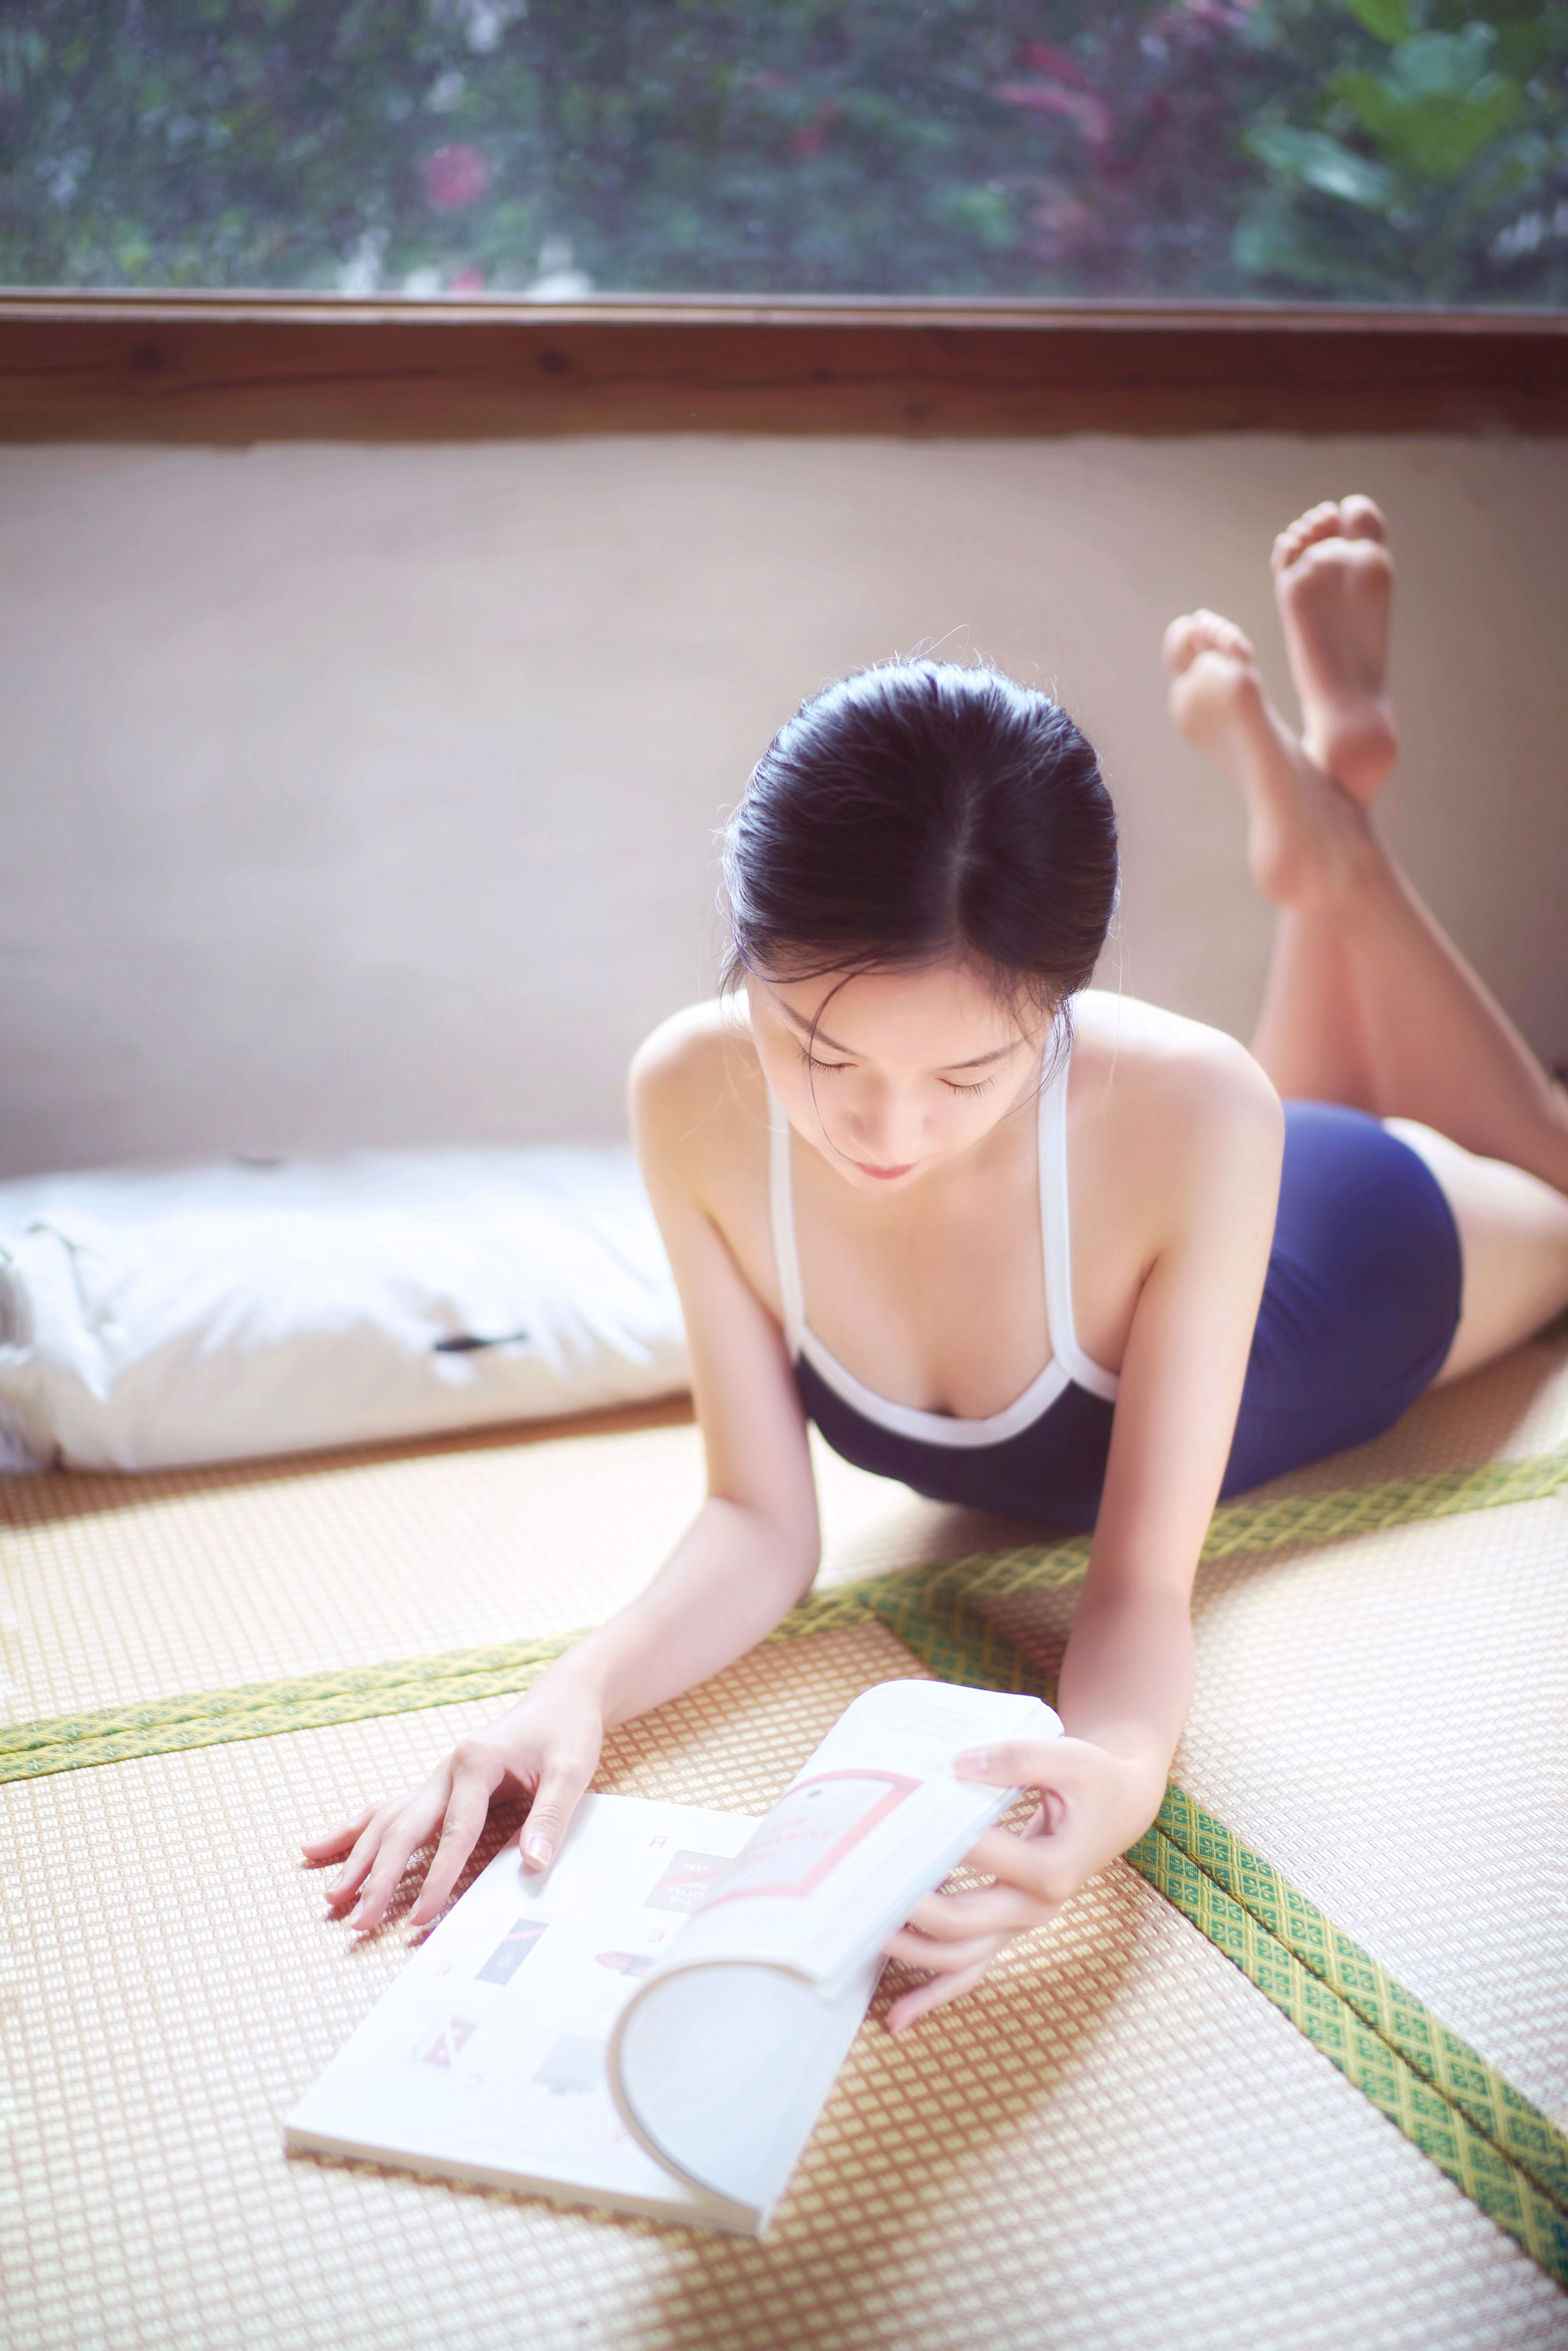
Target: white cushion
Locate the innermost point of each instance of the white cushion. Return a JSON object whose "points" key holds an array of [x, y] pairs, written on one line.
{"points": [[209, 1313]]}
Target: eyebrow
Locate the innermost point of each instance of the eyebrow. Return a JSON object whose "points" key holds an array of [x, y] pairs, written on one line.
{"points": [[821, 1037]]}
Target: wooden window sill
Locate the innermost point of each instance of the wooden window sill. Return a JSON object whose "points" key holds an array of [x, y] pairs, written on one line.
{"points": [[218, 368]]}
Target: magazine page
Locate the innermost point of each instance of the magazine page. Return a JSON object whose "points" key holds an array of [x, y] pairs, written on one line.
{"points": [[723, 2076], [485, 2060], [723, 2058], [654, 2025], [868, 1827]]}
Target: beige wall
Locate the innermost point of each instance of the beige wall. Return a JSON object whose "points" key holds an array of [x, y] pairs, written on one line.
{"points": [[367, 795]]}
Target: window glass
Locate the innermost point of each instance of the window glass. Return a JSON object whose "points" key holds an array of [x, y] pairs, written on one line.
{"points": [[1404, 151]]}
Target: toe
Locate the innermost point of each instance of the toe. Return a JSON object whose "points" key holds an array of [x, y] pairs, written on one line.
{"points": [[1222, 636], [1202, 632], [1182, 643], [1321, 521], [1287, 548], [1360, 517]]}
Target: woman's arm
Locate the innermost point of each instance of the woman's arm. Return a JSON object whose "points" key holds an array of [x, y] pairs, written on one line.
{"points": [[754, 1548], [749, 1554], [1126, 1675]]}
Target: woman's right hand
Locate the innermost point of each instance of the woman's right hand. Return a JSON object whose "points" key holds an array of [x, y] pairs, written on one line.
{"points": [[547, 1745]]}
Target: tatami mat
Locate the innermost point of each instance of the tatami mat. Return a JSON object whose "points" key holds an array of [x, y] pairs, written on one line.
{"points": [[1388, 1721], [1385, 1717], [1117, 2143], [115, 1588]]}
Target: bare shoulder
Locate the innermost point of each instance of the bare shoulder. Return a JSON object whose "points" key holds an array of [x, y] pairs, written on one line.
{"points": [[1142, 1061], [1154, 1091], [696, 1089]]}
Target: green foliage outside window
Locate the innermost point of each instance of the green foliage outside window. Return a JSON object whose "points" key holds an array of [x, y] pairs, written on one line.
{"points": [[1355, 149], [1420, 144]]}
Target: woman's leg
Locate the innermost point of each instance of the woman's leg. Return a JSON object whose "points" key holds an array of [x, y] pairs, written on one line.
{"points": [[1309, 1035], [1370, 1002], [1432, 1045], [1333, 581], [1442, 1049], [1513, 1240]]}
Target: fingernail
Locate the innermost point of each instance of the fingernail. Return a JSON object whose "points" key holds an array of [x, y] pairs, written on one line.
{"points": [[977, 1760], [353, 1918], [539, 1848]]}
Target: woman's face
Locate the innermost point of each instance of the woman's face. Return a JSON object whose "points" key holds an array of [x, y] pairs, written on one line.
{"points": [[908, 1070]]}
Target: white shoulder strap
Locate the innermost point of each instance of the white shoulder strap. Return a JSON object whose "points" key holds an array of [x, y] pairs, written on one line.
{"points": [[781, 1205], [1056, 1235]]}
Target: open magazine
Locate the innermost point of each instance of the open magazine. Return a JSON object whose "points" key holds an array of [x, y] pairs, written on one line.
{"points": [[655, 2024]]}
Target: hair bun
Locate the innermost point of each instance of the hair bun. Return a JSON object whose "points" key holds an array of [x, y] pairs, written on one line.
{"points": [[917, 811]]}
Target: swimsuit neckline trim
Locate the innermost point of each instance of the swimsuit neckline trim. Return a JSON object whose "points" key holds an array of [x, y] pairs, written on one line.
{"points": [[1067, 1363], [935, 1427]]}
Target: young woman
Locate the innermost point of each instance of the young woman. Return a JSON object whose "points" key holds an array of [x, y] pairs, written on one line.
{"points": [[1044, 1250]]}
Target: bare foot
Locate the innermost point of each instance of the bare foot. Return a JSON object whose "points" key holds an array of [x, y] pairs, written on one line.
{"points": [[1303, 833], [1334, 580]]}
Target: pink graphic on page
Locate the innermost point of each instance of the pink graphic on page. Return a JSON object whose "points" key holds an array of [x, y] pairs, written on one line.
{"points": [[441, 2046], [808, 1833], [685, 1879]]}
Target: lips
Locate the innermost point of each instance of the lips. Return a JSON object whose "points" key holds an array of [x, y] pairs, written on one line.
{"points": [[885, 1174]]}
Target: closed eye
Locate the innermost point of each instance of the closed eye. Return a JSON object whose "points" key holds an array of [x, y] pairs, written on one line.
{"points": [[981, 1086], [822, 1068]]}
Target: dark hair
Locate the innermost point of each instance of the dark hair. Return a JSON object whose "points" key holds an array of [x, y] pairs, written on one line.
{"points": [[921, 811]]}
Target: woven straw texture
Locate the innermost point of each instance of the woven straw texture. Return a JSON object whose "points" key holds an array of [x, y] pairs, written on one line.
{"points": [[118, 1588], [1384, 1718], [1388, 1721], [1437, 2088], [1116, 2143], [122, 1588]]}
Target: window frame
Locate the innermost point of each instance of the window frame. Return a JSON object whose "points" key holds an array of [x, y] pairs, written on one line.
{"points": [[216, 367]]}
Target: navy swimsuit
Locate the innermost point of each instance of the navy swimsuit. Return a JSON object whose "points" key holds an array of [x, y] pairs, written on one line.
{"points": [[1360, 1306]]}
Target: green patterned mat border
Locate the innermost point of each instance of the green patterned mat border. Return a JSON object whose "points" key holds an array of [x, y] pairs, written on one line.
{"points": [[116, 1734], [1503, 2152], [1500, 2150]]}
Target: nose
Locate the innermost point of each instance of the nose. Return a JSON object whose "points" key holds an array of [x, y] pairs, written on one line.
{"points": [[885, 1128]]}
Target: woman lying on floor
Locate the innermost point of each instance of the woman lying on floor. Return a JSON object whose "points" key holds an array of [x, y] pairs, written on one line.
{"points": [[863, 1163]]}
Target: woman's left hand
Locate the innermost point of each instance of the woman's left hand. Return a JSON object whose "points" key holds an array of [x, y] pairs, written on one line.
{"points": [[1092, 1805]]}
